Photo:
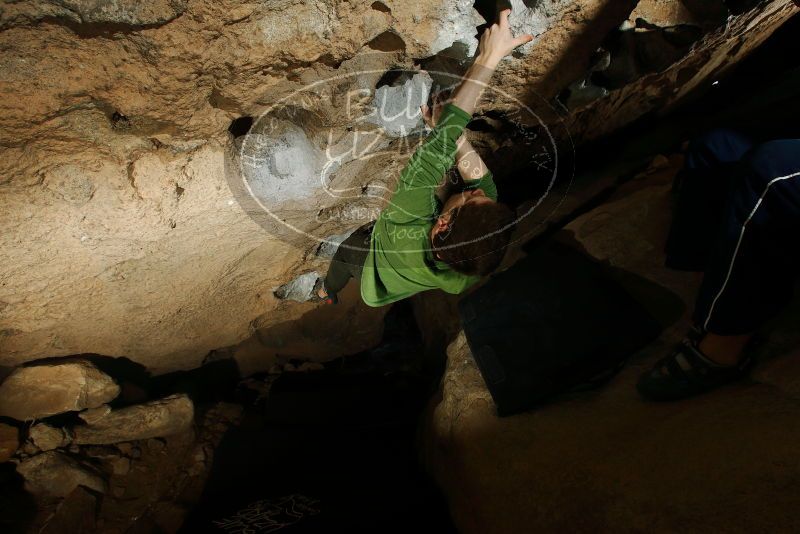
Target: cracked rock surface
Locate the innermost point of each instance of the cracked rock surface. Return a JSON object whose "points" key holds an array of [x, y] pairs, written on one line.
{"points": [[57, 474], [164, 417]]}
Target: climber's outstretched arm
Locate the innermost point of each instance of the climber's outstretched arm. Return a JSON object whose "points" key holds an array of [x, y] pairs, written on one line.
{"points": [[414, 198], [497, 42]]}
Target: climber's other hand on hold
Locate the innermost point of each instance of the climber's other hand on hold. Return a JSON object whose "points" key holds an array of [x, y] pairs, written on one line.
{"points": [[427, 116], [497, 41], [430, 114]]}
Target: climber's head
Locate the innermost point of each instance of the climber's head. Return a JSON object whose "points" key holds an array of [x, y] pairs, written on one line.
{"points": [[472, 233]]}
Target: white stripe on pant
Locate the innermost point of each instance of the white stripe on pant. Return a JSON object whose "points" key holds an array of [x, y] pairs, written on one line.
{"points": [[739, 242]]}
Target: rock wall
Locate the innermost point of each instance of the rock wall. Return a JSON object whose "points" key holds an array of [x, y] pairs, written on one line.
{"points": [[122, 143]]}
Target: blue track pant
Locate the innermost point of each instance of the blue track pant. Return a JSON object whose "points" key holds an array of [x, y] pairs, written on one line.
{"points": [[737, 219]]}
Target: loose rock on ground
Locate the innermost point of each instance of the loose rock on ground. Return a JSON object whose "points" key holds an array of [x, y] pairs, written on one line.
{"points": [[49, 389]]}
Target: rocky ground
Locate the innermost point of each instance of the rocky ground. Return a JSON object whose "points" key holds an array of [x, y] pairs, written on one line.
{"points": [[90, 460], [98, 444], [606, 461], [120, 450]]}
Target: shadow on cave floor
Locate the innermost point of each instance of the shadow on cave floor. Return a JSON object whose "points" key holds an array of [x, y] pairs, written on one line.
{"points": [[332, 450], [17, 507]]}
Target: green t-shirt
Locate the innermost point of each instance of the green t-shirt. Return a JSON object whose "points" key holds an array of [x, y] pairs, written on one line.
{"points": [[400, 262]]}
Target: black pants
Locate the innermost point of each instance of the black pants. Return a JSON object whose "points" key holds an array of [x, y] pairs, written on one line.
{"points": [[738, 220], [348, 262]]}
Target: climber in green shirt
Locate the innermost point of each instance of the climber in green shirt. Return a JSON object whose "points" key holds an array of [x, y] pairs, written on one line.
{"points": [[417, 244]]}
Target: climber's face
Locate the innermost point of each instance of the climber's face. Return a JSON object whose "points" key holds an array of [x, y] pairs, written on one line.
{"points": [[472, 196]]}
